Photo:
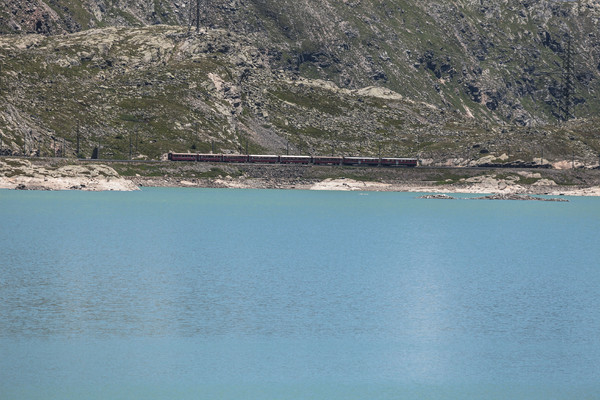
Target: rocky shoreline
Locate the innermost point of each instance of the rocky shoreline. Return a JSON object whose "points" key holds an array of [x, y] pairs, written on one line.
{"points": [[507, 192], [30, 174], [22, 174]]}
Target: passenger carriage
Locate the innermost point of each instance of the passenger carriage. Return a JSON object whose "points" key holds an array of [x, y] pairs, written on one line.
{"points": [[326, 160], [235, 158], [182, 157], [295, 159], [210, 157], [373, 161], [262, 158]]}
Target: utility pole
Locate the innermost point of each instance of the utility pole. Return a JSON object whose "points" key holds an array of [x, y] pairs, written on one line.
{"points": [[1, 80], [78, 152], [418, 148], [197, 126], [568, 86], [194, 19], [197, 16]]}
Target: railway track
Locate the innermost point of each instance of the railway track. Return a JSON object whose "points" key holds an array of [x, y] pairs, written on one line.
{"points": [[420, 167]]}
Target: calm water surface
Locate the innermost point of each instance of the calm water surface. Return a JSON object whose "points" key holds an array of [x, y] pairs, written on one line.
{"points": [[248, 294]]}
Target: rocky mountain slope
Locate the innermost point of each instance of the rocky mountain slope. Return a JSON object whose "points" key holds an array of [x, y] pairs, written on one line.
{"points": [[456, 80]]}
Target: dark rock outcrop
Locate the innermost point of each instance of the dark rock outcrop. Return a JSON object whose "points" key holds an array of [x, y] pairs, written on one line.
{"points": [[513, 196]]}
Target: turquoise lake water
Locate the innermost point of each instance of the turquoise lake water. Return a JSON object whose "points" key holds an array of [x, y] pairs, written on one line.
{"points": [[260, 294]]}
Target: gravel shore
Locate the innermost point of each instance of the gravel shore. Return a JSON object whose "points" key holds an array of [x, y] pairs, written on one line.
{"points": [[489, 186]]}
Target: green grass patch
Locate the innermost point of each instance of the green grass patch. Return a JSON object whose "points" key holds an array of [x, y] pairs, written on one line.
{"points": [[139, 169], [447, 178]]}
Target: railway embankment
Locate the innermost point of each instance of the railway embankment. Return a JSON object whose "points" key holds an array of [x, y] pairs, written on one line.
{"points": [[63, 174]]}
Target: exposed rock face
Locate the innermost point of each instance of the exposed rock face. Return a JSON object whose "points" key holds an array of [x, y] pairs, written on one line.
{"points": [[56, 17], [23, 175]]}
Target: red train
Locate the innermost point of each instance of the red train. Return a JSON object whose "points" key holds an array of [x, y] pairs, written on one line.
{"points": [[293, 159]]}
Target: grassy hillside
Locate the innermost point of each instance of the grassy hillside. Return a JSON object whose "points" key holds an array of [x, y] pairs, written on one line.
{"points": [[455, 80]]}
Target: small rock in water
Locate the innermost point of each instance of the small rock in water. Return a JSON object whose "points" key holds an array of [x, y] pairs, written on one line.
{"points": [[514, 196], [437, 196]]}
